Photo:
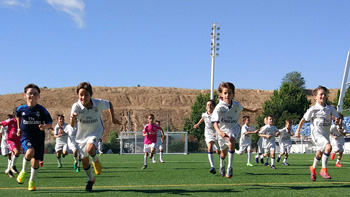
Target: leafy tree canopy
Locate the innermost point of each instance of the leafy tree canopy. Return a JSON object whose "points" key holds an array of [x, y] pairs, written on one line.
{"points": [[295, 78]]}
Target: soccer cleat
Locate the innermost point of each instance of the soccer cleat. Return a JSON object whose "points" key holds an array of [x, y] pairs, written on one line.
{"points": [[229, 173], [285, 164], [338, 165], [41, 163], [212, 170], [324, 173], [101, 153], [144, 167], [256, 160], [75, 165], [249, 164], [89, 185], [21, 177], [151, 155], [262, 160], [153, 160], [97, 167], [273, 167], [9, 172], [222, 171], [161, 160], [14, 170], [31, 186], [278, 159], [267, 164], [332, 156], [313, 173], [59, 166], [78, 169], [63, 155]]}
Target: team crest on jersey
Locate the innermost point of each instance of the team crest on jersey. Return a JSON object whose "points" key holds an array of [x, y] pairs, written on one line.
{"points": [[29, 144], [37, 114], [23, 113]]}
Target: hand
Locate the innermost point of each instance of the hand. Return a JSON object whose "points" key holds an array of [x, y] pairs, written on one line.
{"points": [[195, 126], [41, 127], [297, 134], [18, 132]]}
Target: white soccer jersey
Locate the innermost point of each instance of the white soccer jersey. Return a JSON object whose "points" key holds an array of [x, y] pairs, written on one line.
{"points": [[209, 128], [337, 144], [227, 117], [334, 131], [246, 140], [63, 139], [89, 121], [285, 134], [321, 119], [3, 132], [268, 130]]}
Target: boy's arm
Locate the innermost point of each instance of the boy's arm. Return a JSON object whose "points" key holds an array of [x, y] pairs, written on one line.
{"points": [[217, 129], [162, 133], [251, 110], [45, 126], [19, 119], [111, 113], [301, 123], [199, 122]]}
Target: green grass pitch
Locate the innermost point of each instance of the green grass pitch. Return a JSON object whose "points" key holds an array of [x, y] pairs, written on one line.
{"points": [[181, 175]]}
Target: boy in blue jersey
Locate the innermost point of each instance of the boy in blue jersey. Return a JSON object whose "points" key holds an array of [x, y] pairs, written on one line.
{"points": [[32, 120]]}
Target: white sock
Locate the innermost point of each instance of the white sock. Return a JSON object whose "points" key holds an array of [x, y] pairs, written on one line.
{"points": [[267, 159], [231, 154], [59, 160], [314, 165], [222, 163], [285, 160], [211, 159], [33, 174], [261, 156], [145, 160], [26, 164], [257, 156], [88, 172], [324, 160], [272, 161], [154, 158], [249, 156], [161, 155], [14, 160], [94, 158], [338, 160], [9, 162], [75, 159]]}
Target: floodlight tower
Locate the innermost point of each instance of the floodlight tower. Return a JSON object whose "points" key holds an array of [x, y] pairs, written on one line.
{"points": [[214, 47], [344, 83]]}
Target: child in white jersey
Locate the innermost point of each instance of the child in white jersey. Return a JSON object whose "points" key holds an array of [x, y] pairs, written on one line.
{"points": [[209, 133], [61, 135], [260, 151], [320, 115], [87, 113], [160, 141], [225, 120], [268, 133], [337, 140], [73, 146], [245, 142], [285, 142]]}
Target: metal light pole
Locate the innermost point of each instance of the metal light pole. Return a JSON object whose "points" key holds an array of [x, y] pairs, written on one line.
{"points": [[343, 84], [213, 54]]}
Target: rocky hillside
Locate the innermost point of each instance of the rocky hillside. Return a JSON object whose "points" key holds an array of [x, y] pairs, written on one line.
{"points": [[133, 104]]}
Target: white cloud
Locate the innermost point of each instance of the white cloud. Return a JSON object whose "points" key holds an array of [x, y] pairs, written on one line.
{"points": [[20, 3], [74, 8]]}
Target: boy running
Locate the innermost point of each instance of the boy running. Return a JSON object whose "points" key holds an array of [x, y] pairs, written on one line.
{"points": [[32, 120], [61, 134], [73, 146], [268, 133], [245, 142], [87, 113], [285, 142], [338, 131], [160, 141], [5, 150], [320, 116]]}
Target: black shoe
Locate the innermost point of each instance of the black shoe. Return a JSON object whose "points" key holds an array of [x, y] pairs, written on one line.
{"points": [[278, 159], [144, 167], [262, 160], [273, 167], [222, 171], [14, 170], [89, 185]]}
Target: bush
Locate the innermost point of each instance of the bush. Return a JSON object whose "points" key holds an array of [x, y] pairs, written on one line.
{"points": [[111, 143]]}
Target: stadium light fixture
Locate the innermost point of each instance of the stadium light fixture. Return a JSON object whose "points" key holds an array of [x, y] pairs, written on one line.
{"points": [[214, 47]]}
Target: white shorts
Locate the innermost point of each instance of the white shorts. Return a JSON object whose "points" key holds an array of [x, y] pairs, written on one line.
{"points": [[269, 147], [285, 146], [223, 143], [159, 143], [337, 145], [259, 144], [72, 145], [147, 148], [82, 146], [61, 146], [210, 138], [5, 150], [243, 148], [320, 141]]}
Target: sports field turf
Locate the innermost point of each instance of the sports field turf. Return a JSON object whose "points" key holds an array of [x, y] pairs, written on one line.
{"points": [[181, 175]]}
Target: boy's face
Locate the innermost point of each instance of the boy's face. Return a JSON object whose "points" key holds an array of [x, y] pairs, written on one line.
{"points": [[247, 121], [60, 120], [84, 97], [226, 95], [288, 125], [209, 107], [158, 123], [338, 121], [269, 120], [150, 119], [32, 95], [321, 97]]}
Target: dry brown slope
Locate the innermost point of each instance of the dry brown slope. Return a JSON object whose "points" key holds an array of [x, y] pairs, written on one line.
{"points": [[138, 102]]}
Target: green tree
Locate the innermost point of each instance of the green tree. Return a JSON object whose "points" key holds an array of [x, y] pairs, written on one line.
{"points": [[111, 143], [295, 78], [196, 114], [290, 102]]}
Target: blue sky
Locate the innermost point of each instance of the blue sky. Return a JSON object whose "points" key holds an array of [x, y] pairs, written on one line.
{"points": [[166, 43]]}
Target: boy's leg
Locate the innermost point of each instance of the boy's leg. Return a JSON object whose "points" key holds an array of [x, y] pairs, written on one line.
{"points": [[273, 159], [88, 172], [15, 155], [231, 154], [26, 164], [340, 155], [58, 155], [211, 157], [33, 174], [91, 149]]}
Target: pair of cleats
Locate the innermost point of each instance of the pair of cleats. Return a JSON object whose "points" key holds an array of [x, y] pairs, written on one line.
{"points": [[20, 179], [229, 172], [89, 185], [212, 170], [97, 167], [249, 164], [323, 173]]}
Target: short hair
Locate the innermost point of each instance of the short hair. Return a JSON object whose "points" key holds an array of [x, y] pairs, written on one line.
{"points": [[157, 121], [60, 115], [245, 118], [289, 121], [31, 85], [341, 116], [212, 101], [86, 86], [314, 92], [9, 116], [228, 85], [14, 111], [269, 116], [150, 115]]}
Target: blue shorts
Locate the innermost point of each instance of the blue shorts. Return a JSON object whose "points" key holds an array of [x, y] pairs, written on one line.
{"points": [[37, 145]]}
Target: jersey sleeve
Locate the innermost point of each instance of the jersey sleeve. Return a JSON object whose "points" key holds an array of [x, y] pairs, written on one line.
{"points": [[308, 115], [75, 109], [215, 117], [262, 130], [56, 130], [145, 129], [47, 116], [103, 104], [335, 113]]}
